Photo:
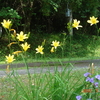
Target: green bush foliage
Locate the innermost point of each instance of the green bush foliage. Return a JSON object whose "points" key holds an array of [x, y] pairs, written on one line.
{"points": [[48, 15]]}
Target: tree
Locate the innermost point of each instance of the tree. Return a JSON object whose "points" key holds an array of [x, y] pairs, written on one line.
{"points": [[47, 15]]}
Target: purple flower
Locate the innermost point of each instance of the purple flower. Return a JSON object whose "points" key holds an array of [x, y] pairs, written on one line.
{"points": [[96, 84], [91, 80], [78, 97], [97, 77], [87, 74]]}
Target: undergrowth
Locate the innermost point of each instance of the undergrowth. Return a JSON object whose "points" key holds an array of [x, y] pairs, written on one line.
{"points": [[82, 46]]}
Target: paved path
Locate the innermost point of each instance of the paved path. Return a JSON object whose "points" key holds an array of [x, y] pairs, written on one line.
{"points": [[41, 67]]}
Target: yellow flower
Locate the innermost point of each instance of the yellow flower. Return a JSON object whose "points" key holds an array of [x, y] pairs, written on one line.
{"points": [[16, 52], [10, 58], [14, 32], [6, 24], [11, 44], [93, 20], [52, 49], [21, 36], [76, 24], [55, 44], [25, 46], [39, 50]]}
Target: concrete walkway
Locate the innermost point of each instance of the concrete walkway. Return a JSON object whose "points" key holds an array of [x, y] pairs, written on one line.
{"points": [[40, 67]]}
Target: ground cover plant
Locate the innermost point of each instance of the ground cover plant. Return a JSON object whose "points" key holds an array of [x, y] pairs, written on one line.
{"points": [[68, 84]]}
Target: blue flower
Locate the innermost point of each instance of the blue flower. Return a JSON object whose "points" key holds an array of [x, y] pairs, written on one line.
{"points": [[87, 74], [78, 97], [97, 77], [96, 84], [91, 80], [89, 99]]}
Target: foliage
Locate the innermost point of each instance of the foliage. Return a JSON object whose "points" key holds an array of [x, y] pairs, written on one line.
{"points": [[48, 13], [82, 45], [10, 13], [91, 8]]}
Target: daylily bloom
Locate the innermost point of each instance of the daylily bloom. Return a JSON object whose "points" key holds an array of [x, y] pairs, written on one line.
{"points": [[11, 44], [14, 32], [76, 24], [93, 20], [6, 24], [55, 44], [25, 46], [16, 52], [39, 50], [21, 36], [52, 49], [10, 58]]}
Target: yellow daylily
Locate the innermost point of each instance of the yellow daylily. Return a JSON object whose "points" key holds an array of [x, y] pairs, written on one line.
{"points": [[25, 46], [6, 24], [16, 52], [11, 44], [93, 20], [21, 36], [10, 58], [52, 49], [39, 50], [14, 32], [55, 44], [76, 24]]}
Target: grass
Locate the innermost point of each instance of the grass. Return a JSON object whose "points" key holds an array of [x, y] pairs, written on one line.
{"points": [[42, 81], [64, 85], [30, 60], [62, 59]]}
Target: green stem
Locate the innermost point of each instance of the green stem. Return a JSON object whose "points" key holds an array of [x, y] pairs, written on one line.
{"points": [[8, 33], [97, 31], [70, 45], [29, 76], [62, 52], [63, 46], [26, 67]]}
